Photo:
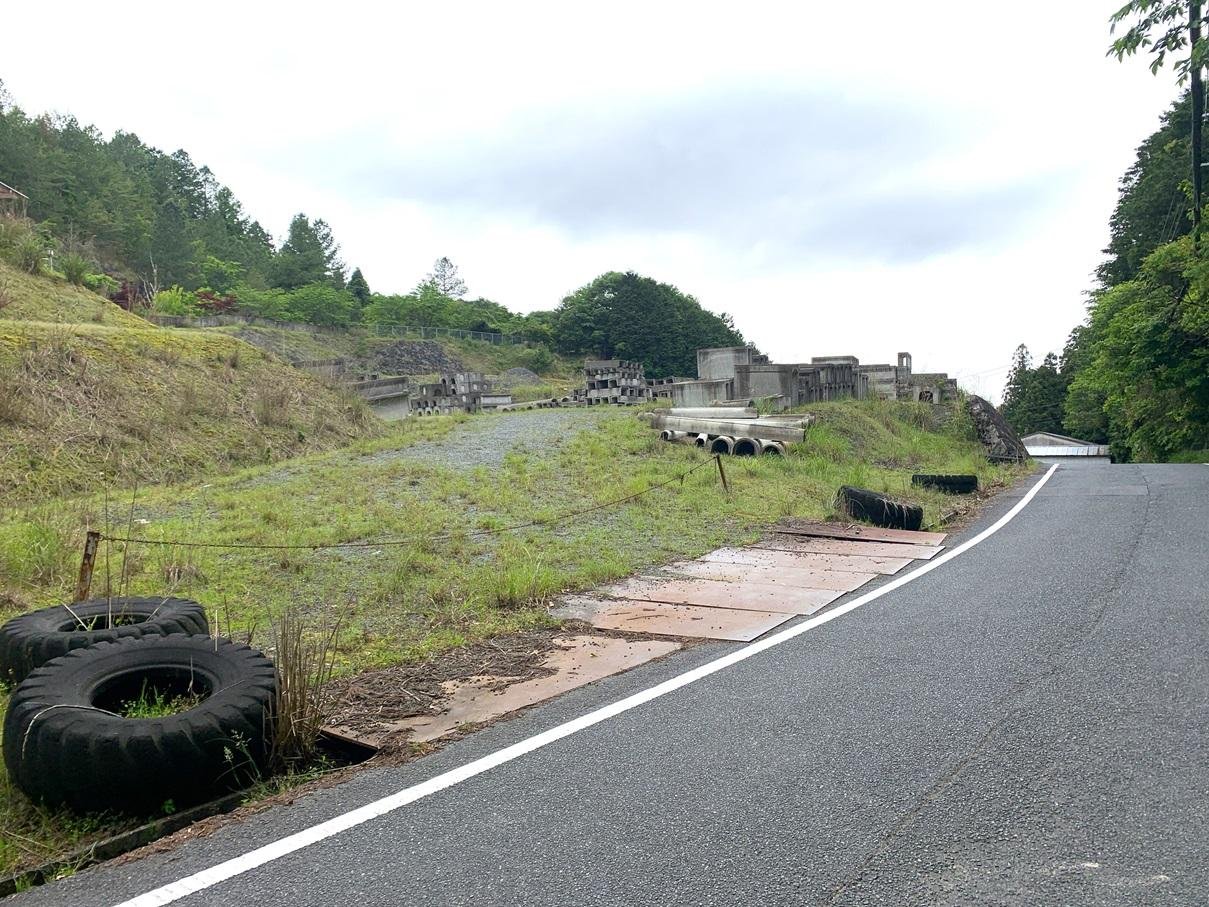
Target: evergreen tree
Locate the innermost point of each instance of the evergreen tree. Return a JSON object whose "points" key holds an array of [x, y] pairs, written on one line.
{"points": [[359, 287], [309, 255]]}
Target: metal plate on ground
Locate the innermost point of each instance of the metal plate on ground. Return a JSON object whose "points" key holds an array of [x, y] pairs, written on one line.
{"points": [[793, 542], [713, 593], [858, 532], [671, 620], [577, 661], [808, 561], [838, 580]]}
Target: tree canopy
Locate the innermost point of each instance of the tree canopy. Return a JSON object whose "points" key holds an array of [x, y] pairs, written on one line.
{"points": [[628, 316], [1034, 397]]}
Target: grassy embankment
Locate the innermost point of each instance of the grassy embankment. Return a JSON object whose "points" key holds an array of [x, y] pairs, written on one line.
{"points": [[94, 397]]}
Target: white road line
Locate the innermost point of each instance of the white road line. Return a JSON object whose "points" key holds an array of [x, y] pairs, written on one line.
{"points": [[174, 891]]}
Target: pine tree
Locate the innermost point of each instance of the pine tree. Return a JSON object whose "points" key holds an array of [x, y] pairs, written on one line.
{"points": [[309, 255], [359, 287]]}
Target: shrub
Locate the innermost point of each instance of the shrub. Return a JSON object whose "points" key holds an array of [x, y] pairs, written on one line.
{"points": [[75, 268], [29, 254], [101, 283], [175, 301]]}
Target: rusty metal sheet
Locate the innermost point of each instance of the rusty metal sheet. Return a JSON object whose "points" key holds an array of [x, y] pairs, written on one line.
{"points": [[793, 542], [672, 620], [858, 532], [838, 580], [577, 661], [849, 562], [713, 593]]}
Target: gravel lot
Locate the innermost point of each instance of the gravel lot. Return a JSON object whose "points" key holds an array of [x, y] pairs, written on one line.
{"points": [[486, 439]]}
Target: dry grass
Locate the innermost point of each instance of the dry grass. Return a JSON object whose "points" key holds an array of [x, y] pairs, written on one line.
{"points": [[304, 650], [88, 406]]}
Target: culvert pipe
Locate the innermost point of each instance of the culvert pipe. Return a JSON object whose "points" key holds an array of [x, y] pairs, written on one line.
{"points": [[773, 448], [722, 445], [746, 447], [701, 441], [668, 435], [713, 412]]}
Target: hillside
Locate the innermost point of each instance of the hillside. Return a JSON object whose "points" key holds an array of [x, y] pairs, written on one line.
{"points": [[96, 397]]}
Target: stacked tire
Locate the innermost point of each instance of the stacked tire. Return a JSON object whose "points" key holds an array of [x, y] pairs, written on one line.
{"points": [[66, 741]]}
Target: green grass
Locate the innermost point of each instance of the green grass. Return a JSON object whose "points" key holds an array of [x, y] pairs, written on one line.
{"points": [[25, 297], [155, 703], [441, 581], [451, 580]]}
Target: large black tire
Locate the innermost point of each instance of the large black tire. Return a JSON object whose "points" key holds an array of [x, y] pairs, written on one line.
{"points": [[31, 640], [65, 745], [862, 504], [953, 484]]}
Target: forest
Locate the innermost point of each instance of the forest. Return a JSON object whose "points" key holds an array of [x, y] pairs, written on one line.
{"points": [[1135, 373], [158, 232]]}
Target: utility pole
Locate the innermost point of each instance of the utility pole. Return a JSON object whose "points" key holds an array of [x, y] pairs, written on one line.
{"points": [[1198, 112]]}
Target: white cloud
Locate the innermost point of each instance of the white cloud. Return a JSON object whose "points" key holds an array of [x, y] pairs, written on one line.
{"points": [[932, 177]]}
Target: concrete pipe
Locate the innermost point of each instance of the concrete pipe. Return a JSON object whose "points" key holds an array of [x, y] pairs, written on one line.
{"points": [[701, 441], [722, 445], [665, 435], [712, 412], [746, 447], [773, 448]]}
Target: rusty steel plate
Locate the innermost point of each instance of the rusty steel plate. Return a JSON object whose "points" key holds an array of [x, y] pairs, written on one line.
{"points": [[673, 620], [767, 557], [576, 661], [794, 542], [849, 562], [713, 593], [839, 580], [857, 532]]}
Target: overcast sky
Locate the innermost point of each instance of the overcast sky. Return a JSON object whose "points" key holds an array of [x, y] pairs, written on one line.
{"points": [[933, 177]]}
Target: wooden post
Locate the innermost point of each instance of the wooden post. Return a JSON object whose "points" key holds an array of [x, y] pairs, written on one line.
{"points": [[84, 583], [722, 473]]}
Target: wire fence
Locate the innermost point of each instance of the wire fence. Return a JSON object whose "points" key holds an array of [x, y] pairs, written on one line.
{"points": [[413, 540], [400, 331]]}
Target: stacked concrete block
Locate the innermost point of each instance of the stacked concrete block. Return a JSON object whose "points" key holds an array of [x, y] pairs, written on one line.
{"points": [[458, 393], [616, 381]]}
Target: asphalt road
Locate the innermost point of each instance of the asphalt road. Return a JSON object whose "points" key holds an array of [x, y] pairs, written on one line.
{"points": [[1026, 724]]}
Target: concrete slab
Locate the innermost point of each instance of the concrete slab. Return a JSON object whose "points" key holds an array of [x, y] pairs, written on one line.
{"points": [[859, 532], [838, 580], [579, 660], [757, 556], [713, 593], [671, 620], [793, 542]]}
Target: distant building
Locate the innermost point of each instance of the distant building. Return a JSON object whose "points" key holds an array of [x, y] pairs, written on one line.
{"points": [[743, 373], [12, 202], [1049, 444]]}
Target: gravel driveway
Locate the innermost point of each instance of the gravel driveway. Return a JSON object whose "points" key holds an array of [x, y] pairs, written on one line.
{"points": [[486, 439]]}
